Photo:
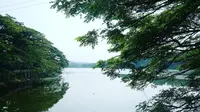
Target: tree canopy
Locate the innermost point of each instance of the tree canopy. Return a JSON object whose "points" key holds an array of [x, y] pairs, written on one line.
{"points": [[163, 32], [26, 55]]}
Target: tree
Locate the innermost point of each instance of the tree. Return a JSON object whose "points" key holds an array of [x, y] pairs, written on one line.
{"points": [[26, 55], [163, 32]]}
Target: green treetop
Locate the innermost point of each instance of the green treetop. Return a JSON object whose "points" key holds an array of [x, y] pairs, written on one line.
{"points": [[26, 55]]}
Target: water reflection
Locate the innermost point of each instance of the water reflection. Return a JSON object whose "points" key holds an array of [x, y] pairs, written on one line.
{"points": [[90, 91], [38, 99]]}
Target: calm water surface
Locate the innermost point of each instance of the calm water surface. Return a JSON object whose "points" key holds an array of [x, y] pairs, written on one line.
{"points": [[89, 91]]}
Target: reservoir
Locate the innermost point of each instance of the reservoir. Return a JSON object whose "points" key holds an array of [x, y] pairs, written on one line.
{"points": [[89, 91]]}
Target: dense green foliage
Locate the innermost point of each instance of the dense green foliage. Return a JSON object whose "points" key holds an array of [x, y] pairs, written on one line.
{"points": [[164, 31], [26, 55]]}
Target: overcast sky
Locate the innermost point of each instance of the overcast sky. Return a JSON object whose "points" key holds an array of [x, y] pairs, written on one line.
{"points": [[58, 29]]}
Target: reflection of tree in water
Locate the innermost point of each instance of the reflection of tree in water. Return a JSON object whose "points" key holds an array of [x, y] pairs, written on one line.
{"points": [[173, 100], [35, 99]]}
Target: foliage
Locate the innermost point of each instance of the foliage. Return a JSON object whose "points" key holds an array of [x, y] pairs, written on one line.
{"points": [[89, 39], [164, 31], [26, 55], [173, 100]]}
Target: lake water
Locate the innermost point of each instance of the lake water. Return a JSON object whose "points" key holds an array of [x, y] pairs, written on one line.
{"points": [[89, 91]]}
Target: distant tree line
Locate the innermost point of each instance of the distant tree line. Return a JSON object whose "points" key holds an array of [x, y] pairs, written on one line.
{"points": [[26, 55], [81, 65]]}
